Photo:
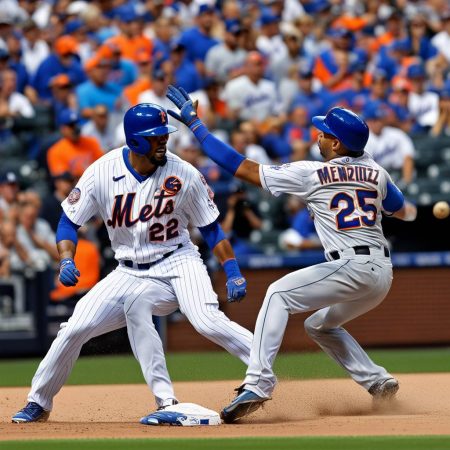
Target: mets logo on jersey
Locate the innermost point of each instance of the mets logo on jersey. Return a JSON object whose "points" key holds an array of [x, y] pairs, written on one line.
{"points": [[74, 196], [172, 185]]}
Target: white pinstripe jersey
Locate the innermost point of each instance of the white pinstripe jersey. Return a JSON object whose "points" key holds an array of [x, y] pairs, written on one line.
{"points": [[145, 217], [344, 196]]}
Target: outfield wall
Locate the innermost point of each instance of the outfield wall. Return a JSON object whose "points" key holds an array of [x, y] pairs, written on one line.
{"points": [[415, 312]]}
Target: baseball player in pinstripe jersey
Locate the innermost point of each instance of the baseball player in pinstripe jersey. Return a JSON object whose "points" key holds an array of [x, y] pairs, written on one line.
{"points": [[347, 195], [146, 197]]}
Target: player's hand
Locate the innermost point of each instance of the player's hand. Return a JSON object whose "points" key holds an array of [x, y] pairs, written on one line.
{"points": [[188, 108], [236, 289], [68, 273]]}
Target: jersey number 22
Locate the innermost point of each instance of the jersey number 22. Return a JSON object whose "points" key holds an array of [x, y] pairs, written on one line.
{"points": [[344, 219]]}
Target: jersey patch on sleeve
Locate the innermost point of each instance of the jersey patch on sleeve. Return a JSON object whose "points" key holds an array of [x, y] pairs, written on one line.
{"points": [[74, 196], [210, 191]]}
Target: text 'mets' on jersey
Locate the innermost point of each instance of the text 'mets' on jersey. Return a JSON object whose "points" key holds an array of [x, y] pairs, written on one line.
{"points": [[145, 217], [344, 195]]}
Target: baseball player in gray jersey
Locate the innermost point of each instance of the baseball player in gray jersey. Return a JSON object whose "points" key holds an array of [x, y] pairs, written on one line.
{"points": [[146, 197], [347, 195]]}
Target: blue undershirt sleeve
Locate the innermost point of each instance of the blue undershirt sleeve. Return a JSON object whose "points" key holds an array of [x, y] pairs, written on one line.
{"points": [[67, 230], [222, 154], [212, 234], [394, 199]]}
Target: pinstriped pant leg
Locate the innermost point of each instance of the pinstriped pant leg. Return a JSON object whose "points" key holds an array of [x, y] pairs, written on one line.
{"points": [[98, 312], [198, 302]]}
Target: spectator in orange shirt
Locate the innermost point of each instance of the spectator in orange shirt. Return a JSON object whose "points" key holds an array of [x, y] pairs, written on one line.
{"points": [[131, 39], [72, 153], [144, 80], [87, 260]]}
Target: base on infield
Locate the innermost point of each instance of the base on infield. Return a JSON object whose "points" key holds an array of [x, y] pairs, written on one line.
{"points": [[183, 415]]}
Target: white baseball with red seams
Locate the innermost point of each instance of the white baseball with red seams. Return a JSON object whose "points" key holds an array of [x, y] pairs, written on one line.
{"points": [[146, 218]]}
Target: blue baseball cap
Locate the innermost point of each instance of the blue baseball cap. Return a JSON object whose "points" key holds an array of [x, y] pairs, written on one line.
{"points": [[233, 26], [416, 71], [73, 25], [8, 177], [68, 117], [267, 17], [126, 13], [206, 8], [373, 111]]}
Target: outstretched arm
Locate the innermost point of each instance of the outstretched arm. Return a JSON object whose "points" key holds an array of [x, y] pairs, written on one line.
{"points": [[396, 206], [222, 154]]}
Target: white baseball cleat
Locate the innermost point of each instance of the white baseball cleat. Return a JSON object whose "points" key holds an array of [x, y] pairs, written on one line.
{"points": [[384, 390]]}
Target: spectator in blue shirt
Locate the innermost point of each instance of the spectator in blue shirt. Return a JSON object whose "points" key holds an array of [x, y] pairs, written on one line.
{"points": [[123, 71], [162, 43], [98, 90], [302, 233], [355, 96], [184, 71], [198, 40], [21, 73], [418, 42], [15, 60], [316, 100], [63, 59]]}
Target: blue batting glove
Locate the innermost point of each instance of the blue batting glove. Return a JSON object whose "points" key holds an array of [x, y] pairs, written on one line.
{"points": [[236, 283], [181, 99], [68, 273], [236, 289]]}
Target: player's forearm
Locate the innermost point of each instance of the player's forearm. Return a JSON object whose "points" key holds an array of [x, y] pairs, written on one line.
{"points": [[408, 212], [226, 156], [223, 251], [66, 249]]}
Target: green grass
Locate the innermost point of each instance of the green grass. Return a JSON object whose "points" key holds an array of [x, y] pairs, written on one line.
{"points": [[222, 366], [303, 443]]}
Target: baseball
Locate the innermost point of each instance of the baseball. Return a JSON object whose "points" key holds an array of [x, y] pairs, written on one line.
{"points": [[441, 210]]}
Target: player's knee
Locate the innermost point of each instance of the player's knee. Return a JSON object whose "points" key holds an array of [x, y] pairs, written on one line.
{"points": [[274, 290], [312, 326], [79, 332], [207, 327]]}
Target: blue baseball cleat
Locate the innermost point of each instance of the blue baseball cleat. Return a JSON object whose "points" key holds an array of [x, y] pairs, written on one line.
{"points": [[31, 413], [244, 404]]}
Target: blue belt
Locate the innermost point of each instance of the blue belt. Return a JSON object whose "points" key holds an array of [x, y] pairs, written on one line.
{"points": [[146, 266]]}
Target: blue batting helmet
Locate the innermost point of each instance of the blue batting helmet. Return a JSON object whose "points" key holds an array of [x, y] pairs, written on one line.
{"points": [[346, 126], [145, 119]]}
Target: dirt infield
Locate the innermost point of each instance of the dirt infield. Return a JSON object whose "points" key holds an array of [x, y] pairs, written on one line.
{"points": [[318, 407]]}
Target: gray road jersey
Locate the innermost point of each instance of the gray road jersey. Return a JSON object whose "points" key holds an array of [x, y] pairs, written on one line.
{"points": [[343, 195]]}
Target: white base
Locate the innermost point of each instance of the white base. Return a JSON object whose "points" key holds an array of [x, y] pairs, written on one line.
{"points": [[196, 415]]}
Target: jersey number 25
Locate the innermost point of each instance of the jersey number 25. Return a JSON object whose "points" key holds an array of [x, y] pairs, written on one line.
{"points": [[347, 203]]}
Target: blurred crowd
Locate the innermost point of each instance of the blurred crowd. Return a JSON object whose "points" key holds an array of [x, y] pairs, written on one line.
{"points": [[260, 70]]}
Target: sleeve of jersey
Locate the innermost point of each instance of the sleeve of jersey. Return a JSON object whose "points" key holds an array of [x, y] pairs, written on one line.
{"points": [[394, 199], [80, 205], [201, 209], [287, 178]]}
